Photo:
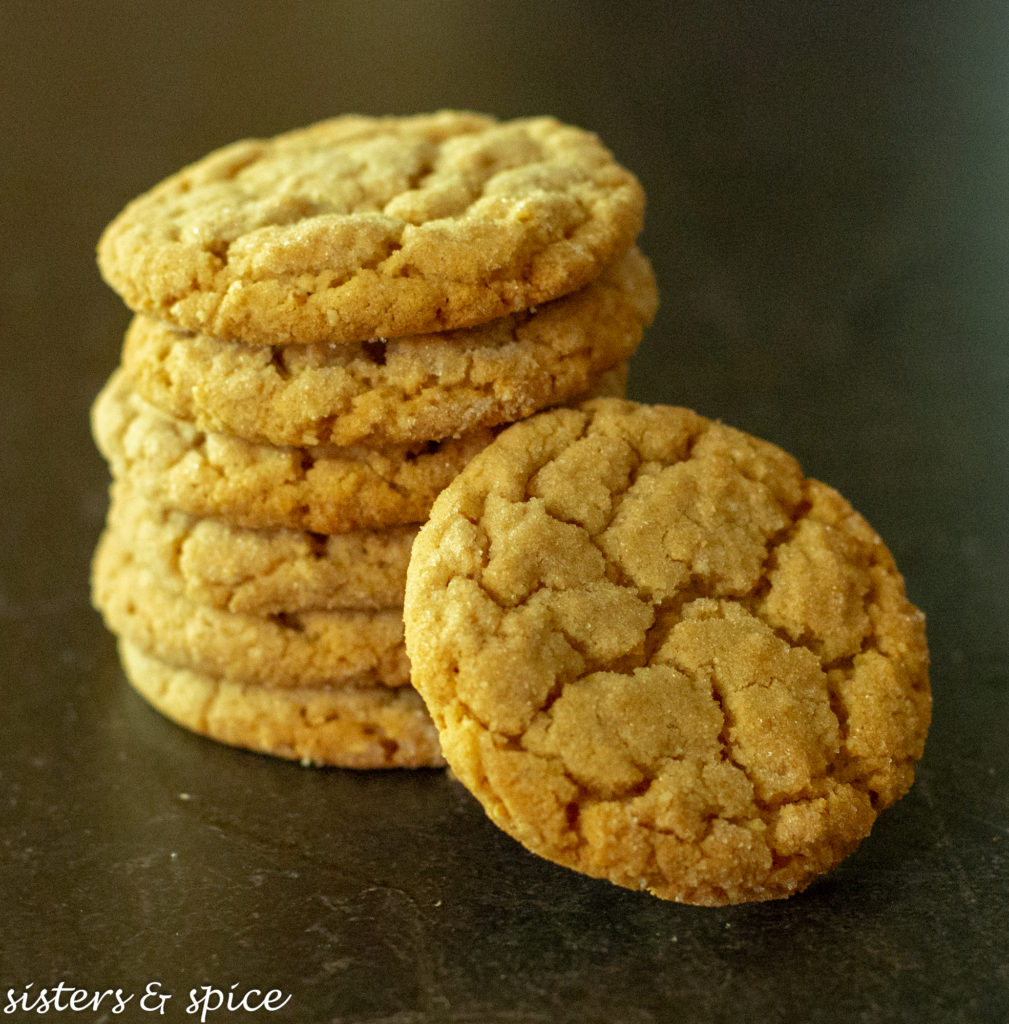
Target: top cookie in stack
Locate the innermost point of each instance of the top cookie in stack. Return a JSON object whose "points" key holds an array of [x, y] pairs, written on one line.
{"points": [[359, 228], [329, 325]]}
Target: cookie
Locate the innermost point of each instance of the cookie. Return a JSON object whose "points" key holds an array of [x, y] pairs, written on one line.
{"points": [[324, 489], [262, 572], [358, 227], [372, 727], [301, 650], [401, 391], [658, 654]]}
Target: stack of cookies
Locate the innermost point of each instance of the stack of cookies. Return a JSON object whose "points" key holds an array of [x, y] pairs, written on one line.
{"points": [[329, 326]]}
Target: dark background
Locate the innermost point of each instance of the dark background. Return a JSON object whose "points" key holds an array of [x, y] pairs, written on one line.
{"points": [[827, 218]]}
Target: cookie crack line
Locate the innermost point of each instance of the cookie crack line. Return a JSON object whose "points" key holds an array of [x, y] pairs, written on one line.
{"points": [[726, 749], [640, 466], [540, 465]]}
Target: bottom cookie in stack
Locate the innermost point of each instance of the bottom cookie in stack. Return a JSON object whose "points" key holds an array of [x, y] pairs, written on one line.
{"points": [[347, 727]]}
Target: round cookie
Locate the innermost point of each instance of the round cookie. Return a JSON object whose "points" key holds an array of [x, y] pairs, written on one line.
{"points": [[262, 572], [658, 654], [372, 727], [306, 650], [325, 489], [399, 391], [360, 227]]}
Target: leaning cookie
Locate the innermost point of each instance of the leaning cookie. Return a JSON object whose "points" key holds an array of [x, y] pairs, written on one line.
{"points": [[396, 391], [340, 727], [658, 654], [262, 572], [306, 650], [359, 227]]}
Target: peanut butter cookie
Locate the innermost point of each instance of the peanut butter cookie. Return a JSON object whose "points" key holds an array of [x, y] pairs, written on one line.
{"points": [[359, 227], [371, 727], [400, 391], [262, 572], [322, 489], [658, 654], [300, 650]]}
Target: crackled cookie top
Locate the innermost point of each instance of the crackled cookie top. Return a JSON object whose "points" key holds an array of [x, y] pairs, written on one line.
{"points": [[398, 391], [361, 227], [660, 655]]}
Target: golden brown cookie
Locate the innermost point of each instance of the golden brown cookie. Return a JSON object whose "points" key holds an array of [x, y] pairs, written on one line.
{"points": [[400, 391], [323, 489], [300, 650], [659, 655], [262, 572], [373, 727], [360, 227]]}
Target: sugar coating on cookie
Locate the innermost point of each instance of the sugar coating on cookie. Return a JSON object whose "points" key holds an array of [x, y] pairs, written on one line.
{"points": [[401, 390], [361, 227], [658, 654]]}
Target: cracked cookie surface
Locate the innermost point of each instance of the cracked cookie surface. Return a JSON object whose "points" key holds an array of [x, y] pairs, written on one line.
{"points": [[399, 391], [658, 654], [361, 227], [339, 727]]}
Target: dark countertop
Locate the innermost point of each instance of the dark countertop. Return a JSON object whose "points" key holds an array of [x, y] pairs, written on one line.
{"points": [[828, 222]]}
